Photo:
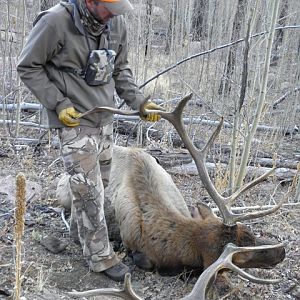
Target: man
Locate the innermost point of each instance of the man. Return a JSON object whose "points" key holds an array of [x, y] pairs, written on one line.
{"points": [[60, 66]]}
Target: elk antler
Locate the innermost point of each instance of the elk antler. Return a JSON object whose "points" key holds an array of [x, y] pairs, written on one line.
{"points": [[203, 283], [199, 156], [125, 293], [225, 262]]}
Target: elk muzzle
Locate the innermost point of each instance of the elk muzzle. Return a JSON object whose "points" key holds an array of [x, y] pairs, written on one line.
{"points": [[266, 258]]}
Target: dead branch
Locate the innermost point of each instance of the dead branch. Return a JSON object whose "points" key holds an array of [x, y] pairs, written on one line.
{"points": [[28, 124], [283, 97], [258, 207], [209, 52], [23, 106]]}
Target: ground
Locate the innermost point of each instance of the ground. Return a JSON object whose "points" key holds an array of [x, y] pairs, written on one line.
{"points": [[49, 276]]}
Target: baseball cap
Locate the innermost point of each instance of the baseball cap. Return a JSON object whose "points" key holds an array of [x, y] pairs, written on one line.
{"points": [[117, 7]]}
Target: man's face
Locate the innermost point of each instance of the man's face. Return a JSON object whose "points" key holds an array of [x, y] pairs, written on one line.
{"points": [[99, 12]]}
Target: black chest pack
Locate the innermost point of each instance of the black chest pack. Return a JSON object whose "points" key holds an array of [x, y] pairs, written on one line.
{"points": [[100, 62], [100, 66]]}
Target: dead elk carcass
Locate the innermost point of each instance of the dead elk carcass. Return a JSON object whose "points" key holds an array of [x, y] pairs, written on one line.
{"points": [[156, 224]]}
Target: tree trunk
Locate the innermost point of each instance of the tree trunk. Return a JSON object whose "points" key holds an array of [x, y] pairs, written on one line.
{"points": [[46, 4], [279, 33], [199, 20], [172, 25], [231, 59], [148, 25]]}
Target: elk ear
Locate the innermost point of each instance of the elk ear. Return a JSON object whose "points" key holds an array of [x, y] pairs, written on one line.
{"points": [[229, 235], [201, 211], [194, 212], [245, 237], [205, 211]]}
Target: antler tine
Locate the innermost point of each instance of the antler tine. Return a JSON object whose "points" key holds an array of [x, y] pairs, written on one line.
{"points": [[112, 110], [207, 278], [175, 118], [252, 278], [254, 215], [225, 262], [249, 185], [177, 112], [258, 214], [126, 293], [246, 275], [115, 110], [212, 138]]}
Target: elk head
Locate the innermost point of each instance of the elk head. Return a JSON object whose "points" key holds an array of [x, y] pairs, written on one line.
{"points": [[240, 235]]}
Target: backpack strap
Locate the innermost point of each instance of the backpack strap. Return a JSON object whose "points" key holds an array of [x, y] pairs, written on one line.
{"points": [[77, 72]]}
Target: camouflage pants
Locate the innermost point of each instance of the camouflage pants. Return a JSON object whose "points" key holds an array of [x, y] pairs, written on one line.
{"points": [[87, 154]]}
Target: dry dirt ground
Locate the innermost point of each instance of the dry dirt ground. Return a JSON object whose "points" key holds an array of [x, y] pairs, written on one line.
{"points": [[49, 276]]}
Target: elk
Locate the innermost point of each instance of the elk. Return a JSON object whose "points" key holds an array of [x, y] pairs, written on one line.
{"points": [[156, 224], [158, 228]]}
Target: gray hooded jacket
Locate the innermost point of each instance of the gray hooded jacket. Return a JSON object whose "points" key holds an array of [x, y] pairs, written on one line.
{"points": [[58, 40]]}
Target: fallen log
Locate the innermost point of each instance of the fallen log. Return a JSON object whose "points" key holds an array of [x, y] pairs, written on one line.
{"points": [[27, 124], [281, 174], [27, 141], [23, 106], [280, 163], [177, 157]]}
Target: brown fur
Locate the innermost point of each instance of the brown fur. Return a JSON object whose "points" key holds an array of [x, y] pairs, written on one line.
{"points": [[154, 219]]}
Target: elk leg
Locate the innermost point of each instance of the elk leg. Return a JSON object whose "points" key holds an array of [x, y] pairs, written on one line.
{"points": [[170, 271], [142, 261]]}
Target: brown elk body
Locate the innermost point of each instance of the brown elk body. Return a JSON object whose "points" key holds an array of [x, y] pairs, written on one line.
{"points": [[156, 223]]}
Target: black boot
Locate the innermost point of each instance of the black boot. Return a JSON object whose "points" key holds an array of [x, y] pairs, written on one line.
{"points": [[117, 272]]}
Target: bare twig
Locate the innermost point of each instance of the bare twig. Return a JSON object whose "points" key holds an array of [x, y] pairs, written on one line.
{"points": [[64, 219], [283, 97], [257, 207]]}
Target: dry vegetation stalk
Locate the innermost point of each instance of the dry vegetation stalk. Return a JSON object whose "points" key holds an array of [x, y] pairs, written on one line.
{"points": [[19, 229]]}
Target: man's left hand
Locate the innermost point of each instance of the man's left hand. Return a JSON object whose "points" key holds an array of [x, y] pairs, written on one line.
{"points": [[151, 117]]}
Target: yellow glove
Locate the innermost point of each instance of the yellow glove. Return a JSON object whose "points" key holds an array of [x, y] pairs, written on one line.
{"points": [[151, 117], [68, 116]]}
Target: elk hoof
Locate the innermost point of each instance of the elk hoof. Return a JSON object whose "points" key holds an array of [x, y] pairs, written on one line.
{"points": [[142, 261]]}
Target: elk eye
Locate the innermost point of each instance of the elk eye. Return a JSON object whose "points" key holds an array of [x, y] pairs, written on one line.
{"points": [[223, 244]]}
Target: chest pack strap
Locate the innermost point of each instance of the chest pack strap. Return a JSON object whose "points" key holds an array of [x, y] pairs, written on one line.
{"points": [[77, 72]]}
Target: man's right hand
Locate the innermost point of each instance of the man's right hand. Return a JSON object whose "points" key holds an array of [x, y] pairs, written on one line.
{"points": [[68, 116]]}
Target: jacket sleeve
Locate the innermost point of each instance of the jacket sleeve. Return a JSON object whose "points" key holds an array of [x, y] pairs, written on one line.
{"points": [[42, 44], [124, 83]]}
